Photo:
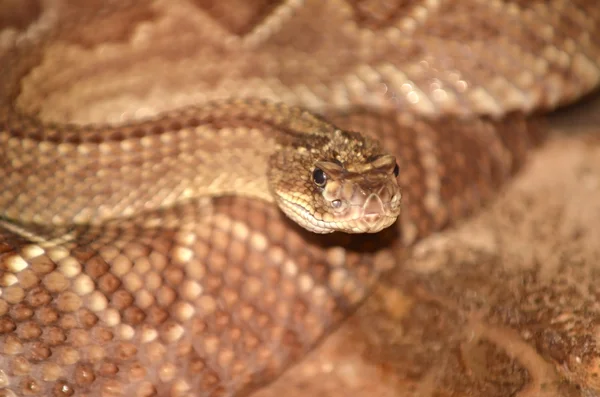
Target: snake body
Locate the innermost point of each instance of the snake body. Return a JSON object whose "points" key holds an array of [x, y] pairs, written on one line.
{"points": [[334, 180], [141, 253]]}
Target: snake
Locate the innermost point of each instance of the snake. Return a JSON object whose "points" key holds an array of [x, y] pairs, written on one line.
{"points": [[196, 193]]}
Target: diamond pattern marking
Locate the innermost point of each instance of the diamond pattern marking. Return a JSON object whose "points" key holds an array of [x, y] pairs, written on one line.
{"points": [[240, 17], [380, 14]]}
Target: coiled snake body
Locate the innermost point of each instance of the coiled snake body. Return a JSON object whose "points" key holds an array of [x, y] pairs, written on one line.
{"points": [[141, 252]]}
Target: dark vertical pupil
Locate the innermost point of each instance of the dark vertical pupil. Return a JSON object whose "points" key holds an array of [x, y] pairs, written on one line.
{"points": [[396, 170], [319, 177]]}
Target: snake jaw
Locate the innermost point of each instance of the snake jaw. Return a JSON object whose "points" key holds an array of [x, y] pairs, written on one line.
{"points": [[356, 222]]}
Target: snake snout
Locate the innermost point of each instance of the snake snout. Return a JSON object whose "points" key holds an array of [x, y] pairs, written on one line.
{"points": [[373, 211], [386, 199], [373, 206]]}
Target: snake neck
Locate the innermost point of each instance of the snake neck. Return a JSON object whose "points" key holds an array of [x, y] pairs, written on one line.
{"points": [[66, 174]]}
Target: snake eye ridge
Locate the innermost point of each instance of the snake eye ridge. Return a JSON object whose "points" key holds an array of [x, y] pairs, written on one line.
{"points": [[319, 177], [396, 170]]}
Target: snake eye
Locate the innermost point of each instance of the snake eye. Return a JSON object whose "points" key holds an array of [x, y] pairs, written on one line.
{"points": [[319, 177], [396, 170]]}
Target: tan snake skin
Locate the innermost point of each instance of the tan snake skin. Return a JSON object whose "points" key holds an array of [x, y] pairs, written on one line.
{"points": [[217, 296]]}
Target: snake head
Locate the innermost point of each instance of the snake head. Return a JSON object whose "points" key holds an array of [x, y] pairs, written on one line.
{"points": [[352, 197]]}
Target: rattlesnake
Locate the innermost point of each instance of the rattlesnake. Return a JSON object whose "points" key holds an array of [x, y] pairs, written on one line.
{"points": [[165, 293]]}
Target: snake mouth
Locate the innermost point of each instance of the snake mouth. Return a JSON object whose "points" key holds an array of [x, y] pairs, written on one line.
{"points": [[367, 218]]}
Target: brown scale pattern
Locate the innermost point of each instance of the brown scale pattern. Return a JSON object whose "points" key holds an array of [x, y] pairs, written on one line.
{"points": [[212, 309], [218, 299], [226, 300]]}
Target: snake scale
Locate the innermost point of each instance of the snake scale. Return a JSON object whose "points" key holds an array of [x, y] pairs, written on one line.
{"points": [[117, 278]]}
